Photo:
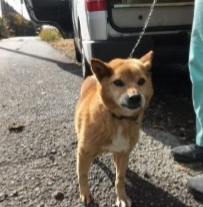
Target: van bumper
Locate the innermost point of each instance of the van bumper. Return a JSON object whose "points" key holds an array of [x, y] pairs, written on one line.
{"points": [[168, 50]]}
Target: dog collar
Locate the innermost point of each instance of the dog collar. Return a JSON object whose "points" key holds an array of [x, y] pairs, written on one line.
{"points": [[133, 118]]}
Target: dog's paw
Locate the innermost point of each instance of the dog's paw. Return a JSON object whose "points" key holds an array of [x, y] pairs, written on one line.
{"points": [[86, 198], [123, 202]]}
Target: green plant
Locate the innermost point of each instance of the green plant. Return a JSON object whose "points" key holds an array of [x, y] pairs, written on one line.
{"points": [[3, 30], [16, 25], [50, 35]]}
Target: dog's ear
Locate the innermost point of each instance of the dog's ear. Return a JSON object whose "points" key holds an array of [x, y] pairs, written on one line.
{"points": [[147, 60], [100, 69]]}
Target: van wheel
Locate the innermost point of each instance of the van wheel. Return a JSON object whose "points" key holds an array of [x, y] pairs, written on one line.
{"points": [[77, 53], [86, 71]]}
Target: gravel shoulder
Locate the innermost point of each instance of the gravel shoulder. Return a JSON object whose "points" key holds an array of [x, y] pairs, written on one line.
{"points": [[39, 89]]}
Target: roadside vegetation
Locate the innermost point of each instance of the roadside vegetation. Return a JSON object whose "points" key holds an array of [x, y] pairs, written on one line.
{"points": [[13, 24], [3, 29], [50, 35], [66, 47], [54, 38]]}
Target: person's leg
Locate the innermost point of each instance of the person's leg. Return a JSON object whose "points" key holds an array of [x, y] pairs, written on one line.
{"points": [[196, 68], [195, 185], [191, 153], [194, 152]]}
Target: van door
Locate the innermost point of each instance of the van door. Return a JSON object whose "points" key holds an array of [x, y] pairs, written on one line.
{"points": [[168, 30], [128, 16], [51, 12]]}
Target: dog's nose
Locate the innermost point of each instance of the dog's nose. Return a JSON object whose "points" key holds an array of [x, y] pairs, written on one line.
{"points": [[135, 99]]}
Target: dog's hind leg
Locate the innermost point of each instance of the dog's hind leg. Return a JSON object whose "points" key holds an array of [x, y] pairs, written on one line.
{"points": [[121, 163], [84, 161]]}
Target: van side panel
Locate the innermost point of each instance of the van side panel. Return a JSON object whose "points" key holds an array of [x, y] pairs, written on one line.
{"points": [[162, 16], [97, 25], [93, 24]]}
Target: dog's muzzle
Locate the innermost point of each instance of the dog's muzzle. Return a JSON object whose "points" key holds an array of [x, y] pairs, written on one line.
{"points": [[132, 101]]}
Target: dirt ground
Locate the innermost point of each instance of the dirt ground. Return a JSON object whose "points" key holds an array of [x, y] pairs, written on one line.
{"points": [[65, 46]]}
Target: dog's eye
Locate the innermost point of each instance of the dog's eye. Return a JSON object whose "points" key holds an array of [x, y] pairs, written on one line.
{"points": [[118, 82], [141, 81]]}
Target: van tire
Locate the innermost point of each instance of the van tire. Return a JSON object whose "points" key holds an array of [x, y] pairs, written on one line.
{"points": [[77, 53], [86, 71]]}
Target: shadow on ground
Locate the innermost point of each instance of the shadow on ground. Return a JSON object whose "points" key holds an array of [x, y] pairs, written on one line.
{"points": [[142, 192], [72, 68], [171, 109]]}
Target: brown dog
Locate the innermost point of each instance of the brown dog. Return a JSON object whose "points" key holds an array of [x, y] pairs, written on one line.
{"points": [[108, 117]]}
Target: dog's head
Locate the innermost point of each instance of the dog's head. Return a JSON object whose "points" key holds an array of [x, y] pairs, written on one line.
{"points": [[125, 84]]}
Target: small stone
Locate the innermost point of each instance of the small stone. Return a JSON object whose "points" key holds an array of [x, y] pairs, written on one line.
{"points": [[25, 201], [183, 138], [53, 152], [41, 205], [73, 143], [146, 175], [58, 195], [52, 158], [100, 179], [14, 194], [16, 127], [159, 106], [50, 183], [3, 196], [182, 132]]}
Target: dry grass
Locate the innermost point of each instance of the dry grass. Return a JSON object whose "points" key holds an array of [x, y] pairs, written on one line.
{"points": [[54, 38], [65, 46], [50, 35]]}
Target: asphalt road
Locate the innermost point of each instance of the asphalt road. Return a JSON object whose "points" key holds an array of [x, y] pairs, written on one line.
{"points": [[38, 91]]}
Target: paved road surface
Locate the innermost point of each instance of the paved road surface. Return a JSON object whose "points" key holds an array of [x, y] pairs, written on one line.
{"points": [[38, 89]]}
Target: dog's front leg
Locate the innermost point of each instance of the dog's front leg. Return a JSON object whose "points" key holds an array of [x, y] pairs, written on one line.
{"points": [[83, 164], [121, 163]]}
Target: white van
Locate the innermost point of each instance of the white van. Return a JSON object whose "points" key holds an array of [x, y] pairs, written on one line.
{"points": [[107, 29]]}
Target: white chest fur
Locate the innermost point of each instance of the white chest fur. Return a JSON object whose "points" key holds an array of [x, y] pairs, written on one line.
{"points": [[119, 143]]}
